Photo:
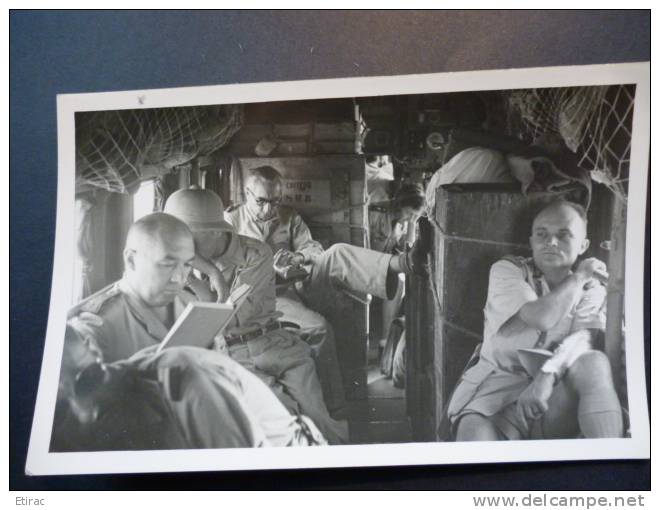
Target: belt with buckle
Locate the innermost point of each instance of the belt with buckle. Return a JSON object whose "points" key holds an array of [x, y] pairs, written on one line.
{"points": [[251, 335]]}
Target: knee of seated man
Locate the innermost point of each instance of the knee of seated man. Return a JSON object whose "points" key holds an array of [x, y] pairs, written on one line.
{"points": [[314, 324], [475, 427], [337, 247], [590, 368]]}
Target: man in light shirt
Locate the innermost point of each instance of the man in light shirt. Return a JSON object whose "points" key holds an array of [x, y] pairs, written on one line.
{"points": [[341, 266], [541, 303]]}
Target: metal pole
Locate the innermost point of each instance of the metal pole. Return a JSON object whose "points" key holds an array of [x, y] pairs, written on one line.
{"points": [[615, 293]]}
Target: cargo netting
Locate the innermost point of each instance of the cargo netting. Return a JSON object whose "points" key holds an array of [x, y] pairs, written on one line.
{"points": [[595, 123], [116, 149]]}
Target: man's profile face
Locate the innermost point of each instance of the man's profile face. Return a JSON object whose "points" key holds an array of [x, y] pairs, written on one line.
{"points": [[160, 268], [558, 238], [263, 197]]}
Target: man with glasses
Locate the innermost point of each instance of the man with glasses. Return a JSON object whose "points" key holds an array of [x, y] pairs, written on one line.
{"points": [[342, 266]]}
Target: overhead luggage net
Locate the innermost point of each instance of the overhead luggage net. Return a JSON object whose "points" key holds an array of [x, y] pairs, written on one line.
{"points": [[595, 123], [116, 149]]}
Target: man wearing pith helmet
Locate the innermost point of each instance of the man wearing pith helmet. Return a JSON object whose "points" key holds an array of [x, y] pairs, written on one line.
{"points": [[254, 338]]}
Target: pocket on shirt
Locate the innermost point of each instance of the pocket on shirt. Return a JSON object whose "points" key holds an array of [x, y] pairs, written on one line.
{"points": [[467, 387]]}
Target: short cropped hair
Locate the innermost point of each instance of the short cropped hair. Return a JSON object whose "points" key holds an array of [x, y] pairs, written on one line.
{"points": [[265, 173], [154, 225], [562, 202]]}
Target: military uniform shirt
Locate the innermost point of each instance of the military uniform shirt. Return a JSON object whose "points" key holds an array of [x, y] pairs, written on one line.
{"points": [[129, 325], [248, 261], [286, 230]]}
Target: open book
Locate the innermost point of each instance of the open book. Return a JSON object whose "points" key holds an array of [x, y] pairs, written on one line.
{"points": [[533, 359], [201, 321]]}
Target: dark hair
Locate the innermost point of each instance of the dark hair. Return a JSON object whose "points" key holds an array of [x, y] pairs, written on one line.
{"points": [[410, 195]]}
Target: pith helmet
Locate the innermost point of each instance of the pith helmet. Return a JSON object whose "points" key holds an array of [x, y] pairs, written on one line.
{"points": [[200, 209]]}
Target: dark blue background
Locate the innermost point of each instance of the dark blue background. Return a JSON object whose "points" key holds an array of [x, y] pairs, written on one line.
{"points": [[65, 52]]}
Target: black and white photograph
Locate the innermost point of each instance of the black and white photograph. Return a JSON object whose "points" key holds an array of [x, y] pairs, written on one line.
{"points": [[371, 271]]}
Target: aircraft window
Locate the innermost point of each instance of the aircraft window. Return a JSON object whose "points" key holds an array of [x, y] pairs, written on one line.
{"points": [[143, 200]]}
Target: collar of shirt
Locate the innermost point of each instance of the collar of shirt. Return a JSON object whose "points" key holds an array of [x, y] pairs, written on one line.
{"points": [[143, 313], [535, 278]]}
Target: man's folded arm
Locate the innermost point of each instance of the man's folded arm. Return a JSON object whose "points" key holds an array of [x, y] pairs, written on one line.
{"points": [[546, 311]]}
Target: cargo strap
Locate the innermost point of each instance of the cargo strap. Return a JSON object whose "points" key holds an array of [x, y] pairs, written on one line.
{"points": [[440, 232]]}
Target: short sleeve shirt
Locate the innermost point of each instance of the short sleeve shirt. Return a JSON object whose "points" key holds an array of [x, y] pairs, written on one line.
{"points": [[516, 282]]}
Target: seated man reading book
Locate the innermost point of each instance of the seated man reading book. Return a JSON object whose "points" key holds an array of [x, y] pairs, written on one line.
{"points": [[138, 311], [541, 303], [183, 397]]}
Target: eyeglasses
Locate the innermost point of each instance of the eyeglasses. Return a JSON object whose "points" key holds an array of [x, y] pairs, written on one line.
{"points": [[260, 201]]}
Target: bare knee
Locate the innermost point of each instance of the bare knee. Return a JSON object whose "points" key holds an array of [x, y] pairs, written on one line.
{"points": [[475, 427]]}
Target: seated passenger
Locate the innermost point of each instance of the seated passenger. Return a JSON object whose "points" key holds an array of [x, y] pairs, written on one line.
{"points": [[138, 311], [541, 303], [255, 338], [391, 234], [342, 266], [392, 230], [179, 398]]}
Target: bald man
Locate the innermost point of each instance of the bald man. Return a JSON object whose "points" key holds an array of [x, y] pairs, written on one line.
{"points": [[139, 309], [128, 319], [541, 303]]}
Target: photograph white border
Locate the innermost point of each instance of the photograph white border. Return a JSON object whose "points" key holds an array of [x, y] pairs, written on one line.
{"points": [[42, 462]]}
